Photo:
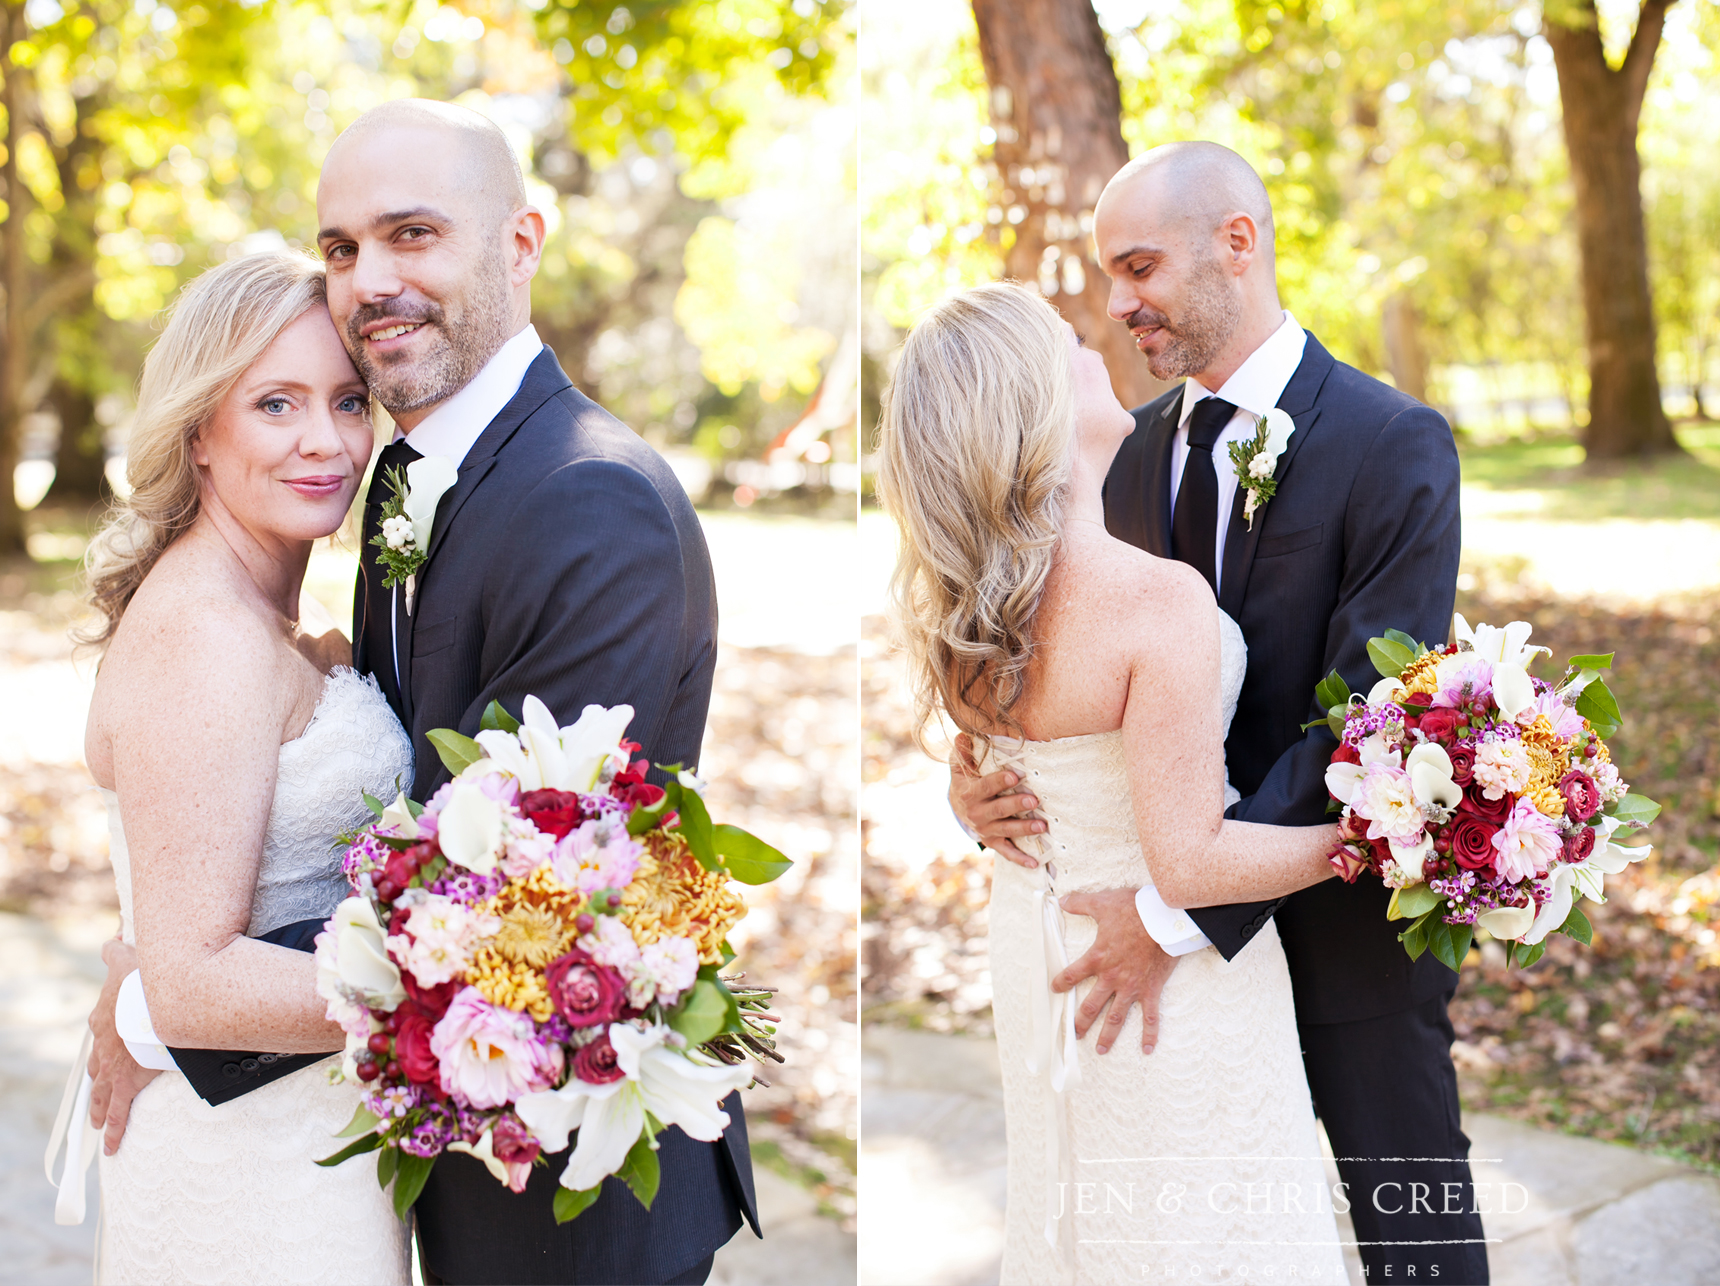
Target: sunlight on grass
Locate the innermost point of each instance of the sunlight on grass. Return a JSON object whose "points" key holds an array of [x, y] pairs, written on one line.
{"points": [[1671, 487]]}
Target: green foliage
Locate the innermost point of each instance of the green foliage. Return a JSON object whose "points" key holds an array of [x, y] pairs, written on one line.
{"points": [[410, 1174], [1390, 657], [496, 719], [457, 751], [569, 1204], [703, 1013], [640, 1171], [746, 857]]}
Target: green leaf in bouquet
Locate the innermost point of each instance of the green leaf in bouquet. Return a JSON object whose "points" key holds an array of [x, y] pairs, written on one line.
{"points": [[1332, 691], [1596, 661], [643, 819], [1577, 926], [358, 1147], [497, 719], [364, 1121], [387, 1162], [1389, 656], [1633, 810], [729, 953], [641, 1172], [457, 751], [696, 826], [374, 804], [1449, 943], [702, 1013], [409, 1177], [1527, 956], [1413, 644], [1414, 938], [570, 1204], [1598, 705], [1413, 902], [748, 858]]}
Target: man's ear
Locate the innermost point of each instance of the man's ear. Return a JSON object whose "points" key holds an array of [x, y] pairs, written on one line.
{"points": [[1241, 239], [523, 235]]}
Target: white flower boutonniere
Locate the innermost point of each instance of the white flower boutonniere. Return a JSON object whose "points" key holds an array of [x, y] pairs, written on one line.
{"points": [[407, 517], [1256, 460]]}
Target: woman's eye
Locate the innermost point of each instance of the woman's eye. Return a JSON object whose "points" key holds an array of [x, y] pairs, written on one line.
{"points": [[353, 404], [274, 405]]}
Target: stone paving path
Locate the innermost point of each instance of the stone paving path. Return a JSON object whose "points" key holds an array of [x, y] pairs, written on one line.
{"points": [[932, 1186], [49, 977]]}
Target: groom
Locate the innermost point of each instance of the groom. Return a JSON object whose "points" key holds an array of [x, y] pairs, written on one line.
{"points": [[565, 563], [1361, 536]]}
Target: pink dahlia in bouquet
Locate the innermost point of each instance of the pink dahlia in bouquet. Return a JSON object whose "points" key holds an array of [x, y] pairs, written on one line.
{"points": [[534, 955], [1482, 796]]}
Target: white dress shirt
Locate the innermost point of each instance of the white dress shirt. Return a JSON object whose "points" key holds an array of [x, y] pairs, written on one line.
{"points": [[1254, 390], [451, 429]]}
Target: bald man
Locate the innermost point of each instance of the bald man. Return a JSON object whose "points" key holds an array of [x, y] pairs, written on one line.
{"points": [[564, 563], [1360, 537]]}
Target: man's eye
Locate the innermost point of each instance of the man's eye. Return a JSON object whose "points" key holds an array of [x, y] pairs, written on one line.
{"points": [[415, 234], [339, 252]]}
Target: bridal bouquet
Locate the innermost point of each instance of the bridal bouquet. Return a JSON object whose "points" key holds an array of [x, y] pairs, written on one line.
{"points": [[535, 953], [1481, 795]]}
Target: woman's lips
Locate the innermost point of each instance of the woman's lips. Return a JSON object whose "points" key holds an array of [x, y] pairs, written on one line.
{"points": [[317, 486]]}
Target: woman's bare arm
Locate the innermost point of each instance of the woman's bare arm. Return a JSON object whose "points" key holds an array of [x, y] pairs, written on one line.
{"points": [[1174, 746], [197, 717]]}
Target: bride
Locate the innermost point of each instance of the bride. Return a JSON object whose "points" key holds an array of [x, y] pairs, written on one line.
{"points": [[231, 747], [1107, 678]]}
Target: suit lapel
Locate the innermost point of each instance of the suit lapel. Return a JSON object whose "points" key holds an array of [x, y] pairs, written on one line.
{"points": [[544, 378], [1158, 478], [1298, 401]]}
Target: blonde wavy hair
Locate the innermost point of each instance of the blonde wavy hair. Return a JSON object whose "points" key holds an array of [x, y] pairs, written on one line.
{"points": [[975, 450], [222, 322]]}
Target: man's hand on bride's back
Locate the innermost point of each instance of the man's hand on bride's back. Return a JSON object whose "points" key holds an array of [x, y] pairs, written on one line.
{"points": [[115, 1074], [990, 805], [1127, 966]]}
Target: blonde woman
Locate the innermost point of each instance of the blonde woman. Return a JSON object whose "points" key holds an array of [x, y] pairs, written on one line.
{"points": [[1106, 678], [231, 747]]}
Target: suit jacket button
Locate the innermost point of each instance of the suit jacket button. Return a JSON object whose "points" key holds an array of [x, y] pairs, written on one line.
{"points": [[248, 1064], [230, 1071], [267, 1058], [1248, 931]]}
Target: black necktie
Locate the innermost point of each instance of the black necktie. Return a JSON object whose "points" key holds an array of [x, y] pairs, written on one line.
{"points": [[1194, 521]]}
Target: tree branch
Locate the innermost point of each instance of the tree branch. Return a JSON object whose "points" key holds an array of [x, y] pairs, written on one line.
{"points": [[1639, 58], [65, 288]]}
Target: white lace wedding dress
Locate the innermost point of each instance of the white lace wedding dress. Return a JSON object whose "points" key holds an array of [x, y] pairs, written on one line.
{"points": [[1199, 1162], [205, 1194]]}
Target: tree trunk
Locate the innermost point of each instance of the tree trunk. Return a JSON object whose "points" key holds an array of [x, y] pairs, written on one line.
{"points": [[13, 341], [80, 461], [1057, 110], [1404, 353], [1601, 110]]}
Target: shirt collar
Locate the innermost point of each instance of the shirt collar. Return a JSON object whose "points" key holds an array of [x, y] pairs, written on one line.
{"points": [[1260, 381], [452, 428]]}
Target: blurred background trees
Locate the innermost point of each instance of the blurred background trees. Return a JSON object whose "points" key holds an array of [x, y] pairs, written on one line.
{"points": [[691, 157], [1433, 227]]}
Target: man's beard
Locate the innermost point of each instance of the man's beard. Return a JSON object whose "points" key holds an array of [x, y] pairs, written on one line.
{"points": [[456, 353], [1210, 314]]}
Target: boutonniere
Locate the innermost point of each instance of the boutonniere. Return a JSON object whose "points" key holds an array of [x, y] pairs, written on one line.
{"points": [[1256, 460], [407, 516]]}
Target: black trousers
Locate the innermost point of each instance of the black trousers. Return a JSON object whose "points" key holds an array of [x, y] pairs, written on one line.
{"points": [[1387, 1094]]}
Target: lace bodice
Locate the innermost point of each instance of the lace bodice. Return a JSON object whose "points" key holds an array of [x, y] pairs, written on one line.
{"points": [[353, 744]]}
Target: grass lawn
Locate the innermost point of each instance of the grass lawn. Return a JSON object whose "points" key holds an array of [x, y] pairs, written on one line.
{"points": [[1679, 486]]}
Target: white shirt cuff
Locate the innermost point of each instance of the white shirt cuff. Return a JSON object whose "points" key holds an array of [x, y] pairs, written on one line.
{"points": [[1175, 931], [131, 1020]]}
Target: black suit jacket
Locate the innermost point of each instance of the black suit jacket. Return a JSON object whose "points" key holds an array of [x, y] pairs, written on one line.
{"points": [[566, 563], [1361, 537]]}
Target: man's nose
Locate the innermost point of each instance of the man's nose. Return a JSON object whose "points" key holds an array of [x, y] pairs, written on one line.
{"points": [[373, 276], [1122, 302]]}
